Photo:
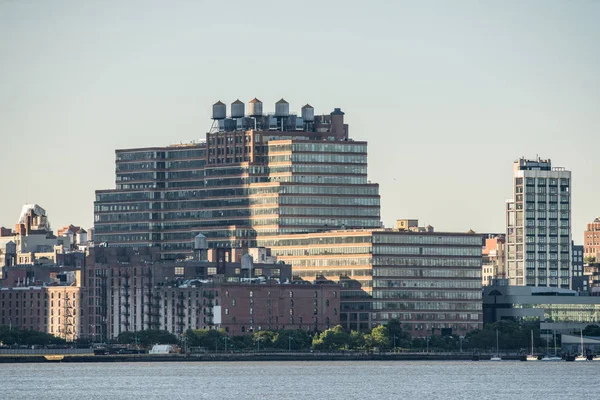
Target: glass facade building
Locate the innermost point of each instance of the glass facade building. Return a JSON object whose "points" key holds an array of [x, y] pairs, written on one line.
{"points": [[538, 221], [239, 188], [427, 280], [556, 308]]}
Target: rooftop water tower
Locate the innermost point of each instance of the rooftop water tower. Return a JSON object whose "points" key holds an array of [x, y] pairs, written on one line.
{"points": [[237, 109], [200, 247], [255, 108], [282, 108], [219, 110]]}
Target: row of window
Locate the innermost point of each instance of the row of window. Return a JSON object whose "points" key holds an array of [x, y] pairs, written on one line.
{"points": [[426, 261], [427, 294], [428, 251], [430, 305], [427, 283], [473, 240], [427, 273]]}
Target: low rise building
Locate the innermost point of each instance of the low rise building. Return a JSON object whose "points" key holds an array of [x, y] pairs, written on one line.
{"points": [[557, 310], [247, 308], [54, 307], [132, 289]]}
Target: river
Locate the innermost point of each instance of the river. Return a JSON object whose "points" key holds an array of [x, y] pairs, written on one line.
{"points": [[366, 380]]}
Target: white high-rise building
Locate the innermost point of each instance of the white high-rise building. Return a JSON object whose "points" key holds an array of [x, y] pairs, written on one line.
{"points": [[538, 225]]}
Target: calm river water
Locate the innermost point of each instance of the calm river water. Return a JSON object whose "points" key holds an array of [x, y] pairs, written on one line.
{"points": [[302, 380]]}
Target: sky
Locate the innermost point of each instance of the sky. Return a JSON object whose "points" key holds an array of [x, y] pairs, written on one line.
{"points": [[447, 94]]}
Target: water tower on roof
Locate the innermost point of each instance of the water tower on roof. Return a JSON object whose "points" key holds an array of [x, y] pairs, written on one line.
{"points": [[308, 113], [237, 109], [200, 248], [255, 108], [219, 110], [282, 108]]}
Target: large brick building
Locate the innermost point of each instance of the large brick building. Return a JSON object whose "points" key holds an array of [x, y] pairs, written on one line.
{"points": [[132, 289], [55, 307], [312, 307]]}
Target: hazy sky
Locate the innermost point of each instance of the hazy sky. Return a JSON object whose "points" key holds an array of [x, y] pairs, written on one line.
{"points": [[447, 93]]}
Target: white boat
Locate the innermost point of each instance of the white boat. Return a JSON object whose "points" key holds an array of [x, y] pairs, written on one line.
{"points": [[582, 356], [551, 358], [496, 357], [531, 356]]}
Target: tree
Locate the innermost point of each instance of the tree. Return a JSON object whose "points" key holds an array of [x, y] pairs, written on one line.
{"points": [[379, 337], [266, 338], [147, 338], [332, 339], [27, 337], [591, 330], [357, 340], [400, 337], [296, 340], [208, 338]]}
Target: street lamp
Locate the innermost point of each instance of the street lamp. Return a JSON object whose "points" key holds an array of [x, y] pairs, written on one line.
{"points": [[290, 343], [395, 337], [427, 340], [225, 339], [460, 338]]}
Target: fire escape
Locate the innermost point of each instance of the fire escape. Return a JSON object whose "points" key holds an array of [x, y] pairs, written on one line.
{"points": [[102, 296], [180, 313], [68, 314], [126, 313], [152, 303]]}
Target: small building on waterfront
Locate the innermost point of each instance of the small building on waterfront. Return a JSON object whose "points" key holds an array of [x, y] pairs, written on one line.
{"points": [[557, 310], [571, 344]]}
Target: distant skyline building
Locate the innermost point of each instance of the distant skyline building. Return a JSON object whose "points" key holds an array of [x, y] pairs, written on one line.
{"points": [[538, 220], [591, 240], [493, 260], [255, 176]]}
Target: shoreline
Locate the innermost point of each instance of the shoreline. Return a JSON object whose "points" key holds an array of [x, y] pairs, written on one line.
{"points": [[238, 357]]}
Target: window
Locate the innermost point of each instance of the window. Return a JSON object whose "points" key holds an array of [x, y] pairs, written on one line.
{"points": [[179, 270], [212, 270], [251, 293], [258, 271]]}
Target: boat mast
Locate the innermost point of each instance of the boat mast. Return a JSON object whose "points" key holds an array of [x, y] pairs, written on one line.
{"points": [[497, 347], [532, 342]]}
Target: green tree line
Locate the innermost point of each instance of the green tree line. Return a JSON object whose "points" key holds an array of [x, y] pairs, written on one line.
{"points": [[16, 336]]}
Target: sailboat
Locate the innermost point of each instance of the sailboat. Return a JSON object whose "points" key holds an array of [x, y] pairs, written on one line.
{"points": [[531, 356], [496, 357], [548, 357], [582, 356]]}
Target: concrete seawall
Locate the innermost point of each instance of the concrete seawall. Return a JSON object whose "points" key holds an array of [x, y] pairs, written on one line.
{"points": [[237, 357]]}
